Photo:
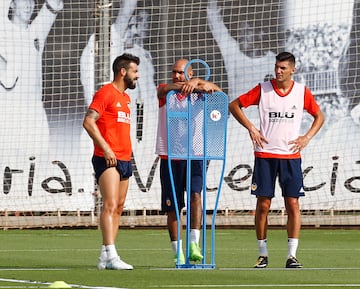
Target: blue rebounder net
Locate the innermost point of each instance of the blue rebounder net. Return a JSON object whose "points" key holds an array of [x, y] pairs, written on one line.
{"points": [[196, 126]]}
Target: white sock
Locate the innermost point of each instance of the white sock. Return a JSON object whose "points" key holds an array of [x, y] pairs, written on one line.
{"points": [[174, 246], [195, 236], [111, 251], [262, 245], [103, 253], [292, 247]]}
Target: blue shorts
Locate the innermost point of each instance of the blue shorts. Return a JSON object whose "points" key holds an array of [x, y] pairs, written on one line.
{"points": [[290, 177], [179, 175], [123, 167]]}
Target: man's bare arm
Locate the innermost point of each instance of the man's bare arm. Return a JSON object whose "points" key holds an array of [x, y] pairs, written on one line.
{"points": [[92, 129], [236, 110], [163, 90], [187, 87]]}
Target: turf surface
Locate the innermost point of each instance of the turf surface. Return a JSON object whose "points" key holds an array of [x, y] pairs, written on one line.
{"points": [[36, 258]]}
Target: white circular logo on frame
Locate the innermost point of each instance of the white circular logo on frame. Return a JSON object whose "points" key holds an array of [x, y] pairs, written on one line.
{"points": [[215, 115]]}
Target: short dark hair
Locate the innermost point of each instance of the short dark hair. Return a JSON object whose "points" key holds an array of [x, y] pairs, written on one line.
{"points": [[123, 61], [286, 56]]}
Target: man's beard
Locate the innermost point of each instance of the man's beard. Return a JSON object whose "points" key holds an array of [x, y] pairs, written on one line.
{"points": [[129, 82]]}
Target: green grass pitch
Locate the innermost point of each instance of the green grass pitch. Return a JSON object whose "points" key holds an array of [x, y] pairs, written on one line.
{"points": [[36, 258]]}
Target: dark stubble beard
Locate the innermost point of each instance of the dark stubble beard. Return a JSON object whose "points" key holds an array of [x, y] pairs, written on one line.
{"points": [[130, 83]]}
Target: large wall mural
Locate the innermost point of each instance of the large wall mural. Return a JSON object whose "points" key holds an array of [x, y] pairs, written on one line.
{"points": [[48, 74]]}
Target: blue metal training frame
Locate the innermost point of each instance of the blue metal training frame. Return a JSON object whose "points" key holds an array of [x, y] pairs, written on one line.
{"points": [[196, 130]]}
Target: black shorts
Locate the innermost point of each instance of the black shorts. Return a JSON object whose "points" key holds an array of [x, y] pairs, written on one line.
{"points": [[123, 167], [288, 171], [179, 168]]}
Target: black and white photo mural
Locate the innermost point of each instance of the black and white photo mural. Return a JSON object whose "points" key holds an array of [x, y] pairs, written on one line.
{"points": [[54, 54]]}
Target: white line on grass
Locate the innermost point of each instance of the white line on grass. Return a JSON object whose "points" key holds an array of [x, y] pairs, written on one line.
{"points": [[257, 285], [77, 250], [286, 269], [32, 269], [46, 284], [254, 269]]}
